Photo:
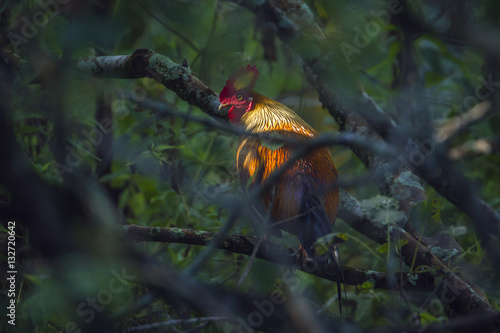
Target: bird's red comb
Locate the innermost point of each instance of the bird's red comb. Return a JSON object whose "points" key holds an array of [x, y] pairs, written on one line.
{"points": [[243, 79]]}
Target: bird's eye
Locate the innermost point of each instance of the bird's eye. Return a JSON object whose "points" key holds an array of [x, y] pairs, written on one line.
{"points": [[239, 97]]}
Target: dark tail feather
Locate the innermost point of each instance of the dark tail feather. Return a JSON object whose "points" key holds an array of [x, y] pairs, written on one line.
{"points": [[334, 256], [315, 226]]}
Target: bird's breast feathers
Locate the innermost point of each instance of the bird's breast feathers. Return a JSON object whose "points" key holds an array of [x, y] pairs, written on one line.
{"points": [[315, 172]]}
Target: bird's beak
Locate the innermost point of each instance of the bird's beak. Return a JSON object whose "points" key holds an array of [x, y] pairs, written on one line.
{"points": [[225, 106]]}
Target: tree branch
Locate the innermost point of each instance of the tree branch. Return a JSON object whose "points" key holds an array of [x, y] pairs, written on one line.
{"points": [[466, 298], [479, 147], [146, 63], [270, 252], [450, 128]]}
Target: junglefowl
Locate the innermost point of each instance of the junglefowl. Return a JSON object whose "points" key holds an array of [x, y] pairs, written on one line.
{"points": [[305, 196]]}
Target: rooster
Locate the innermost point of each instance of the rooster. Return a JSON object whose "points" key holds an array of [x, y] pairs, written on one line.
{"points": [[304, 200]]}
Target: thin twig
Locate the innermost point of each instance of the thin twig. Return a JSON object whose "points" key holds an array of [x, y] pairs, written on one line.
{"points": [[249, 263], [172, 30]]}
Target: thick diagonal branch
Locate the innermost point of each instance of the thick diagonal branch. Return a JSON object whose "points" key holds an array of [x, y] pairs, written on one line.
{"points": [[456, 292], [146, 63]]}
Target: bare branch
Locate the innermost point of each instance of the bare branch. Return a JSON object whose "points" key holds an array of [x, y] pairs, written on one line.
{"points": [[476, 148], [452, 127], [466, 297], [162, 109], [273, 253], [146, 63]]}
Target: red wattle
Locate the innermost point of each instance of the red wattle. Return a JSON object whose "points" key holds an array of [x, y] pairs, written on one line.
{"points": [[234, 116], [250, 106]]}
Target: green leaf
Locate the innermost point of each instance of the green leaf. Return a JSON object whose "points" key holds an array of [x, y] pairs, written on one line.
{"points": [[161, 148], [322, 245], [137, 203], [458, 230], [384, 248], [367, 285], [117, 179], [33, 278], [426, 318]]}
